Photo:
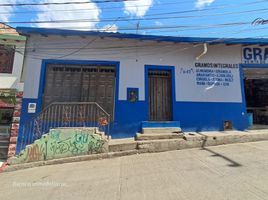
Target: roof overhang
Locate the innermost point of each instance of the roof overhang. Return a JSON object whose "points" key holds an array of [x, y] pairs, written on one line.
{"points": [[63, 32]]}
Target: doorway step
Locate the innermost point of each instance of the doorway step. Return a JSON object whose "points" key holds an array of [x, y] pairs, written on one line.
{"points": [[160, 130]]}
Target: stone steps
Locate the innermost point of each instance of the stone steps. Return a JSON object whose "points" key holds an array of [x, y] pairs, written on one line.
{"points": [[159, 136], [161, 145], [202, 140], [118, 145], [161, 130]]}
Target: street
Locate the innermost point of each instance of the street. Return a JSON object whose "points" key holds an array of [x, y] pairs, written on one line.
{"points": [[235, 172]]}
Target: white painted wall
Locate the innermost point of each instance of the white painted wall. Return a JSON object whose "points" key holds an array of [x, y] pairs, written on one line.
{"points": [[133, 55], [13, 80]]}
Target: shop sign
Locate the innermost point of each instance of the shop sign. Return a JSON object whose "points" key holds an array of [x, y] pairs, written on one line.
{"points": [[255, 55], [209, 82]]}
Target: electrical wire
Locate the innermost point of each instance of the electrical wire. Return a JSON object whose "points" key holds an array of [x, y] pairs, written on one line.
{"points": [[76, 51], [186, 27], [62, 3], [140, 6], [178, 28], [190, 27], [42, 55], [53, 43], [142, 19], [112, 8]]}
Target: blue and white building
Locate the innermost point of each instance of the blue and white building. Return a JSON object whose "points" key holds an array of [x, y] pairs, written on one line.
{"points": [[195, 83]]}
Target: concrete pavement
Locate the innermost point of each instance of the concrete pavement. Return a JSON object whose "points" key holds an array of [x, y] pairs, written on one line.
{"points": [[145, 144], [235, 172]]}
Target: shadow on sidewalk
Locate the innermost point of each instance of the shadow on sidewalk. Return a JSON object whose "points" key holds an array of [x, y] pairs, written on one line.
{"points": [[215, 154]]}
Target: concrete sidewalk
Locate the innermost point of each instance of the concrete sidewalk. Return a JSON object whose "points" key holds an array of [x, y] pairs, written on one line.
{"points": [[123, 147], [226, 172], [189, 140]]}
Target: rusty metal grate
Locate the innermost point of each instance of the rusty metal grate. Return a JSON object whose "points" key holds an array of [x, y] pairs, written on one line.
{"points": [[65, 114]]}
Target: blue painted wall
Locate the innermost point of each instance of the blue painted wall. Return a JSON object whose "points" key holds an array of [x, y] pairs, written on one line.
{"points": [[193, 116], [210, 116]]}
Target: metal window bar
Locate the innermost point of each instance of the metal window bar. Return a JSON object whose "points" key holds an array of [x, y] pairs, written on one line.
{"points": [[65, 114]]}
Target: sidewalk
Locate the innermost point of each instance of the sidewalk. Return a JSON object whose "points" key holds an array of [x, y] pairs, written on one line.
{"points": [[225, 172], [124, 147]]}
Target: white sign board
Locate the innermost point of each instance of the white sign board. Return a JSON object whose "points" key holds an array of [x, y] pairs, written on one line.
{"points": [[209, 82], [31, 107]]}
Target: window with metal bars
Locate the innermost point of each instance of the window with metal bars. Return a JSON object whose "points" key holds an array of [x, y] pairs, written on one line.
{"points": [[6, 58]]}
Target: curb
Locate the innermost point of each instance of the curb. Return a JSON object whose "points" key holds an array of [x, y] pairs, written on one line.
{"points": [[71, 159], [198, 140]]}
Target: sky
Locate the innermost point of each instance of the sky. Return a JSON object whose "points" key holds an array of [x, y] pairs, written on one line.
{"points": [[189, 18]]}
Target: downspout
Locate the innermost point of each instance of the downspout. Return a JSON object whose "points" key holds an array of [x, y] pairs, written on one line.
{"points": [[204, 52]]}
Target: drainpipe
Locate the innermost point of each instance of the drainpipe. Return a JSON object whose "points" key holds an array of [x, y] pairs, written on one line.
{"points": [[204, 52]]}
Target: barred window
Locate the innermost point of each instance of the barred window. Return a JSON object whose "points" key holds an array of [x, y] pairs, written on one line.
{"points": [[6, 58]]}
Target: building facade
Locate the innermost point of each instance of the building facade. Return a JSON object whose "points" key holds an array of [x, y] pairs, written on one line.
{"points": [[197, 82], [11, 87]]}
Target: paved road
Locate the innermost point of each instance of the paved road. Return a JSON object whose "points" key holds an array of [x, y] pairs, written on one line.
{"points": [[232, 172]]}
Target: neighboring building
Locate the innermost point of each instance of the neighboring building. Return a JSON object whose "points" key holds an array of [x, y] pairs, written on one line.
{"points": [[198, 83], [11, 87]]}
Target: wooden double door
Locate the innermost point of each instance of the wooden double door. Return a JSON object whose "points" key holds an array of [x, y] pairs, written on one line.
{"points": [[80, 83], [160, 95]]}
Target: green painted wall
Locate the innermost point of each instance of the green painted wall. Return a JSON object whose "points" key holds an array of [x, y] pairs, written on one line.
{"points": [[63, 142]]}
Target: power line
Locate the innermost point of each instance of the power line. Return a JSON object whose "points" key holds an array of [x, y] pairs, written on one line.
{"points": [[212, 8], [139, 6], [61, 3], [76, 51], [92, 9], [132, 19], [177, 28], [63, 45], [112, 48], [173, 27], [180, 28], [168, 27], [143, 19], [154, 27], [135, 19], [183, 27]]}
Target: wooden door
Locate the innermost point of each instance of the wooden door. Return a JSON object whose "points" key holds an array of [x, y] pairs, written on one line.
{"points": [[80, 83], [160, 95], [98, 85]]}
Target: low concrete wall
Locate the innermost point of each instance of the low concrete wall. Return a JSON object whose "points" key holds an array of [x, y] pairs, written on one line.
{"points": [[127, 146], [61, 143], [202, 140]]}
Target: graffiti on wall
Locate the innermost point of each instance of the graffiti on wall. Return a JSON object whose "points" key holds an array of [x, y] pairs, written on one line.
{"points": [[77, 144], [35, 152], [60, 143]]}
